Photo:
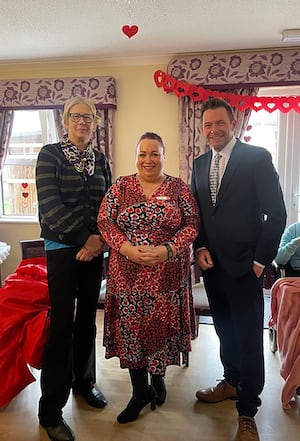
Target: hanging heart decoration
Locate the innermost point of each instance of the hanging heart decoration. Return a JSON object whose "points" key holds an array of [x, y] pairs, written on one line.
{"points": [[25, 194], [130, 30], [24, 184], [247, 138]]}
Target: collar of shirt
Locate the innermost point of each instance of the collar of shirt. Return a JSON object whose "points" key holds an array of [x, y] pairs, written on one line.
{"points": [[225, 152]]}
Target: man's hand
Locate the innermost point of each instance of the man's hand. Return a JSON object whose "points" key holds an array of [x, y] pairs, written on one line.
{"points": [[258, 270], [204, 260]]}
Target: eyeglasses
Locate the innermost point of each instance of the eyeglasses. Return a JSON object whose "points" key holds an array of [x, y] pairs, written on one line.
{"points": [[87, 117]]}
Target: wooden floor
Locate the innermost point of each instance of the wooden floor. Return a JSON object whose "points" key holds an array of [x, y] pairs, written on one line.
{"points": [[181, 418]]}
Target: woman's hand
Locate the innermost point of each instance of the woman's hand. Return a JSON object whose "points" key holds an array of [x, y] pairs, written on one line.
{"points": [[145, 254]]}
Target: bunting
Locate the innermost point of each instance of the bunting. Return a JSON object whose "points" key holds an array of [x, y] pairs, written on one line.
{"points": [[198, 93]]}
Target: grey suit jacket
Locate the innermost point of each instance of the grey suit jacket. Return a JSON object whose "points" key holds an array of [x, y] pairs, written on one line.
{"points": [[249, 217]]}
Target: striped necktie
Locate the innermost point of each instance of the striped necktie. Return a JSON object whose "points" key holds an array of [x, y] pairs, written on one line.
{"points": [[214, 178]]}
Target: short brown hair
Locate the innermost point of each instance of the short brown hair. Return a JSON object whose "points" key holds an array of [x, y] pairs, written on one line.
{"points": [[216, 103]]}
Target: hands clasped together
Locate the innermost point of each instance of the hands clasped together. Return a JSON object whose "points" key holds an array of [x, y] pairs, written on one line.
{"points": [[145, 254]]}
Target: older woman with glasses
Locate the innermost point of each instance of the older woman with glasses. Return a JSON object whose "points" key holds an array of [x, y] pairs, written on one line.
{"points": [[72, 178]]}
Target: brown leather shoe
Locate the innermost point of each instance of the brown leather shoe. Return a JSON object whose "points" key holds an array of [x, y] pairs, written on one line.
{"points": [[247, 430], [222, 391]]}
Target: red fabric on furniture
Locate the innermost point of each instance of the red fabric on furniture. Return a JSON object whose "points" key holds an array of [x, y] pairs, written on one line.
{"points": [[24, 309], [285, 309]]}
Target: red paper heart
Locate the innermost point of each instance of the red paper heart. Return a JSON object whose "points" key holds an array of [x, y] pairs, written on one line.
{"points": [[258, 104], [284, 104], [270, 106], [25, 194], [24, 185], [296, 105], [130, 31]]}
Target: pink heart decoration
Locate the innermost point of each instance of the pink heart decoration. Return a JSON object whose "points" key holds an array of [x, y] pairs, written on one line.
{"points": [[247, 138], [130, 31], [25, 194], [24, 185]]}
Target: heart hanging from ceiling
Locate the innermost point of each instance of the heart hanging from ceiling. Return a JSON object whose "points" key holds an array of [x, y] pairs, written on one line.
{"points": [[129, 30]]}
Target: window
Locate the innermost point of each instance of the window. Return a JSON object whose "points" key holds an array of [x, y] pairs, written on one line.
{"points": [[280, 133], [31, 129]]}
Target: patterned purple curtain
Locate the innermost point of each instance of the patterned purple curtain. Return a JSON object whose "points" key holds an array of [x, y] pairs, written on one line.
{"points": [[6, 121], [103, 134], [52, 93], [58, 113]]}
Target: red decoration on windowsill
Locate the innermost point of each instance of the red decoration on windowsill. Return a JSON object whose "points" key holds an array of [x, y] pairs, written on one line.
{"points": [[241, 102], [130, 30]]}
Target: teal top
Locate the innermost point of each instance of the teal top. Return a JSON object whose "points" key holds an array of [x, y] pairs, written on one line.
{"points": [[51, 245], [289, 248]]}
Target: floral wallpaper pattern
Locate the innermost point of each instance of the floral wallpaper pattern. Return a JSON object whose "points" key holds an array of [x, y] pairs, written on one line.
{"points": [[53, 92], [272, 66]]}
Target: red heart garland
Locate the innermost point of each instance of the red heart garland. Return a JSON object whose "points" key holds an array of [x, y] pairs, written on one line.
{"points": [[24, 185], [130, 31], [25, 194]]}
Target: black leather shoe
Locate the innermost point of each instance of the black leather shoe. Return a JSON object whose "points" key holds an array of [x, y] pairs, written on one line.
{"points": [[60, 432], [94, 397]]}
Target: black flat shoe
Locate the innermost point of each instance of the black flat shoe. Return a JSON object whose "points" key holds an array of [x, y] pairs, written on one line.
{"points": [[94, 397], [60, 432], [158, 382], [135, 406]]}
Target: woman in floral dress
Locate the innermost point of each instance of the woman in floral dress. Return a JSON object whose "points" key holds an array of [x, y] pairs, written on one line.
{"points": [[149, 220]]}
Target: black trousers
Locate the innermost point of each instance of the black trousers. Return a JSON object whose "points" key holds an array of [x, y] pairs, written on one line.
{"points": [[238, 310], [69, 357]]}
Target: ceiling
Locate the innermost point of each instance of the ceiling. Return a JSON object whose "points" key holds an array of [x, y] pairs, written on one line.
{"points": [[92, 29]]}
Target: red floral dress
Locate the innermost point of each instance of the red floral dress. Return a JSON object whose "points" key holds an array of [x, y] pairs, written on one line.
{"points": [[149, 319]]}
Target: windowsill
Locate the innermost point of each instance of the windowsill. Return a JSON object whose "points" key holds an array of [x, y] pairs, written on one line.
{"points": [[21, 220]]}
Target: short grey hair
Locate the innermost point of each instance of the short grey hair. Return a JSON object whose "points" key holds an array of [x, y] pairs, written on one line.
{"points": [[78, 99]]}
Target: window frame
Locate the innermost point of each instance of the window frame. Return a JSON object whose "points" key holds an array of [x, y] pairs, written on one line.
{"points": [[29, 160]]}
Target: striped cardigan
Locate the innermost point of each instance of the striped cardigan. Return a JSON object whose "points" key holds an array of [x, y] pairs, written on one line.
{"points": [[69, 201]]}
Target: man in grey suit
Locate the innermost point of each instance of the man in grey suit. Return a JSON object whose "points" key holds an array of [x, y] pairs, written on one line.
{"points": [[242, 218]]}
